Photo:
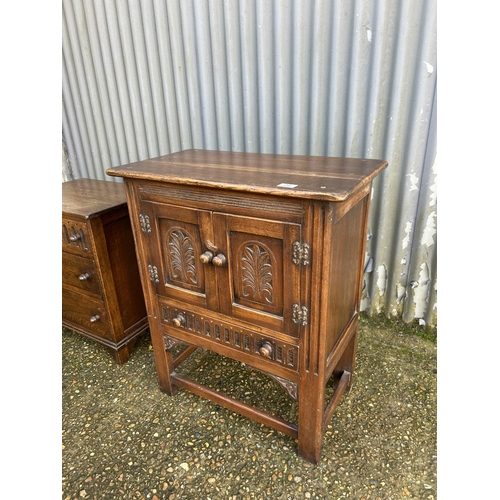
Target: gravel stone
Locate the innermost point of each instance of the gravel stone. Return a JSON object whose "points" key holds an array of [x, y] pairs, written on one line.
{"points": [[123, 438]]}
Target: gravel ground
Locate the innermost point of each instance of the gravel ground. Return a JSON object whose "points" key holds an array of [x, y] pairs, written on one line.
{"points": [[124, 439]]}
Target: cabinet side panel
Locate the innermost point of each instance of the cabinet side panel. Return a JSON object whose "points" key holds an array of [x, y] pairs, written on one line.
{"points": [[122, 256], [346, 259]]}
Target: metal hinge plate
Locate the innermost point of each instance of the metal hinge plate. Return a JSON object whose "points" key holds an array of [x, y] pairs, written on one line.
{"points": [[153, 274], [301, 253], [300, 315], [145, 224]]}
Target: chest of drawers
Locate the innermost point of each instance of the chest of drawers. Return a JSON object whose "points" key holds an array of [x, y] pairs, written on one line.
{"points": [[101, 289], [258, 258]]}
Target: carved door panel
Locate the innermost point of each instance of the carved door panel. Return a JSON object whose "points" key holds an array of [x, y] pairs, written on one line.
{"points": [[259, 282], [180, 235]]}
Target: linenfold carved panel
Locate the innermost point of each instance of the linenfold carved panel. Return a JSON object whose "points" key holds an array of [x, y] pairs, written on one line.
{"points": [[256, 272], [182, 261]]}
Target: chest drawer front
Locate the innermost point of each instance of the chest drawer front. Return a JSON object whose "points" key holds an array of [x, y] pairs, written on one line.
{"points": [[79, 310], [76, 237], [80, 273]]}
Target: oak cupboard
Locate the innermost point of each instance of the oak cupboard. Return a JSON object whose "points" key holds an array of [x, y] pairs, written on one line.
{"points": [[259, 258]]}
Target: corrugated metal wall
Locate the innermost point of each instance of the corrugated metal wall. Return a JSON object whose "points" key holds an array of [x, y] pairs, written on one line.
{"points": [[338, 78]]}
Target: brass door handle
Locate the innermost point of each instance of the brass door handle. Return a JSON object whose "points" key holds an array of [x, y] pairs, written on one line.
{"points": [[84, 276], [95, 318]]}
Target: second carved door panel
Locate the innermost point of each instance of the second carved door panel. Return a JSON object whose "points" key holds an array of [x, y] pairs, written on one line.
{"points": [[261, 283]]}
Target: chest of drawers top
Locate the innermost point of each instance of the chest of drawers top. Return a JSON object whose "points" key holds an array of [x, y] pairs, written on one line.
{"points": [[87, 198]]}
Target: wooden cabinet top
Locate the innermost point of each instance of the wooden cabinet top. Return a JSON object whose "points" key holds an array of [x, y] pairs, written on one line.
{"points": [[91, 198], [313, 177]]}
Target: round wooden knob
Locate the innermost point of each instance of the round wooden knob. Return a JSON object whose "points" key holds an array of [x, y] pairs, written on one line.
{"points": [[219, 260], [84, 277], [266, 349], [179, 320], [206, 257], [95, 318]]}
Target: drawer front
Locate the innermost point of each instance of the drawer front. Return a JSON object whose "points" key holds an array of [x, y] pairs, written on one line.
{"points": [[85, 312], [80, 273], [240, 340], [76, 237]]}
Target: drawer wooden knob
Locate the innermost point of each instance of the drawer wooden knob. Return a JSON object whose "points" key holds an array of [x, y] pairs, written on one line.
{"points": [[75, 237], [206, 257], [84, 277], [266, 349], [95, 318], [179, 320], [219, 260]]}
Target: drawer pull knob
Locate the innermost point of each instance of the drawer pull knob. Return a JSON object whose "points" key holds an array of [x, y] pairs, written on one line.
{"points": [[75, 237], [206, 257], [266, 349], [95, 318], [219, 260], [84, 277], [179, 320]]}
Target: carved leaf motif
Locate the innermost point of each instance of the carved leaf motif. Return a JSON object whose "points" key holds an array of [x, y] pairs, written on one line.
{"points": [[257, 274], [182, 259]]}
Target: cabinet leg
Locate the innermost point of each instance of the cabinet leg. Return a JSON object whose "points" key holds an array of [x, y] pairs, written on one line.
{"points": [[164, 378], [163, 360], [310, 425]]}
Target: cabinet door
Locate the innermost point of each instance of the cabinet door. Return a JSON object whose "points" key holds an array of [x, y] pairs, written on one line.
{"points": [[179, 235], [259, 282]]}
